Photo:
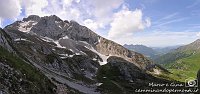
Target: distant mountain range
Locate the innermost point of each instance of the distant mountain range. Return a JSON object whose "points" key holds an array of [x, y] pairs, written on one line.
{"points": [[150, 52], [147, 51], [164, 50]]}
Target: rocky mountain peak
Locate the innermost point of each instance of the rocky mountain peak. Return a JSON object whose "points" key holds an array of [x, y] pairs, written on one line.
{"points": [[38, 18], [69, 34], [197, 41], [49, 26], [32, 17]]}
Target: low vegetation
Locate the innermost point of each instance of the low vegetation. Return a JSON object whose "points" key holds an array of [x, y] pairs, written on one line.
{"points": [[36, 82]]}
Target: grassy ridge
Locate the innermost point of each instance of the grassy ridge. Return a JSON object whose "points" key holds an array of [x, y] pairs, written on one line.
{"points": [[185, 68], [183, 63]]}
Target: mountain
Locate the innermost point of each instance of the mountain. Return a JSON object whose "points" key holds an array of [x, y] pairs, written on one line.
{"points": [[150, 52], [147, 51], [164, 50], [184, 61], [45, 55]]}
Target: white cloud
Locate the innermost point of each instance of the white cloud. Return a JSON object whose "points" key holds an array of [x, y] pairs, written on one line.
{"points": [[103, 10], [168, 17], [126, 22], [91, 24], [159, 24], [77, 1], [104, 7], [148, 22], [99, 11], [35, 7], [9, 9], [198, 34], [194, 4], [75, 13], [65, 9], [0, 22], [67, 2]]}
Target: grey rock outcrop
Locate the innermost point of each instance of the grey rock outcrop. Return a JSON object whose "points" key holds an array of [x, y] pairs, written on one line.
{"points": [[108, 47], [4, 40]]}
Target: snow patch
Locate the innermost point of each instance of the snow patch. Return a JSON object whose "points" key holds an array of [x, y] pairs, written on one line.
{"points": [[65, 37], [57, 22], [94, 59], [71, 50], [19, 39], [156, 71], [64, 54], [99, 84], [22, 39], [26, 26], [77, 54], [103, 57], [131, 81], [69, 28], [62, 57], [47, 39], [83, 52], [71, 55], [58, 44], [83, 42], [99, 40]]}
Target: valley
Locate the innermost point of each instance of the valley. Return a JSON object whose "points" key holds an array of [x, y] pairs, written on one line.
{"points": [[56, 56], [182, 62], [99, 47]]}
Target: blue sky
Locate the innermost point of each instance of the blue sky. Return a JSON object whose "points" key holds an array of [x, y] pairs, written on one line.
{"points": [[156, 23]]}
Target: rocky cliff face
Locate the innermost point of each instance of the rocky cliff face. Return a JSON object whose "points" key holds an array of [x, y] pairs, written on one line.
{"points": [[66, 32], [4, 40], [110, 48], [72, 56], [17, 76]]}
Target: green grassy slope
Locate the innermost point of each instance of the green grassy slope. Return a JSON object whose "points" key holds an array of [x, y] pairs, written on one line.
{"points": [[183, 63], [185, 68]]}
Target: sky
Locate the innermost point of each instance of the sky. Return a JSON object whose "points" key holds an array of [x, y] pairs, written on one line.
{"points": [[154, 23]]}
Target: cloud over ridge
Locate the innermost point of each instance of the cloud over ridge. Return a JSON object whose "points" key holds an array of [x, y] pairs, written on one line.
{"points": [[126, 22]]}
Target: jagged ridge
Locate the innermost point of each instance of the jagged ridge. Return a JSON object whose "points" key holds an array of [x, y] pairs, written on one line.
{"points": [[70, 55]]}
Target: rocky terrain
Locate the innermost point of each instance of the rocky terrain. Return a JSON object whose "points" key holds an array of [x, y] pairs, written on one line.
{"points": [[45, 55]]}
